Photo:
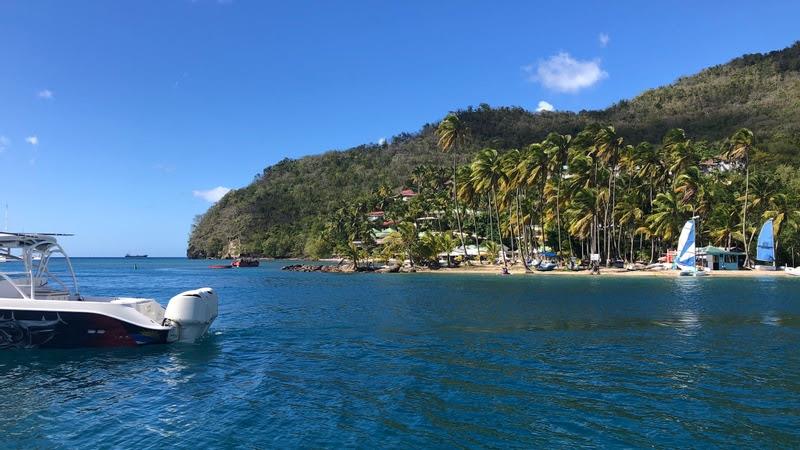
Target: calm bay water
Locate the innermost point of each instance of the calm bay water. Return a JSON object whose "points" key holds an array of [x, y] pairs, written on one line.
{"points": [[369, 360]]}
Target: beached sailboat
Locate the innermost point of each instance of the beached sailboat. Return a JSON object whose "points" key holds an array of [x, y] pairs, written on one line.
{"points": [[765, 249], [39, 309], [687, 251]]}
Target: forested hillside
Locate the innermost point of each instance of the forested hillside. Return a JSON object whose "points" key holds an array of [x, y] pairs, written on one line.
{"points": [[283, 212]]}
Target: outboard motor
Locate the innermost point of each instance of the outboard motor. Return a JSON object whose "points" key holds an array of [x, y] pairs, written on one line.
{"points": [[191, 313]]}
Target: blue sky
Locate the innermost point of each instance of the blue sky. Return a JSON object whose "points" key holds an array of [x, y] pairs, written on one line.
{"points": [[116, 117]]}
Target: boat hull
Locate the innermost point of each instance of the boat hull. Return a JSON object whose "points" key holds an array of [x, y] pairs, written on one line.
{"points": [[21, 328]]}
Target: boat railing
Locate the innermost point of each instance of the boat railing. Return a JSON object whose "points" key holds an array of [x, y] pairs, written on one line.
{"points": [[7, 276]]}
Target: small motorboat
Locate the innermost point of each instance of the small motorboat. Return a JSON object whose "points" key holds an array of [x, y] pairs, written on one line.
{"points": [[546, 266], [220, 266], [245, 262], [40, 310]]}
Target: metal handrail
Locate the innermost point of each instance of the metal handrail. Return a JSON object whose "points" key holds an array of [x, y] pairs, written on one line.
{"points": [[42, 270], [5, 275]]}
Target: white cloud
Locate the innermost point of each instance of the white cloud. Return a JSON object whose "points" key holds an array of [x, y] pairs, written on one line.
{"points": [[604, 39], [33, 140], [212, 195], [46, 94], [4, 143], [544, 106], [563, 73], [382, 141]]}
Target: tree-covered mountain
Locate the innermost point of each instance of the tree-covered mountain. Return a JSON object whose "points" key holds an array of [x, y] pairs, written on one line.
{"points": [[283, 211]]}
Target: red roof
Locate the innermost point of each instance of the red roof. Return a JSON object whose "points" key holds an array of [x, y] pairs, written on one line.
{"points": [[376, 214], [407, 193], [388, 223]]}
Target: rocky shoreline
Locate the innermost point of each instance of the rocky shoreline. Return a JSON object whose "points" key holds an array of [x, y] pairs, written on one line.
{"points": [[345, 268]]}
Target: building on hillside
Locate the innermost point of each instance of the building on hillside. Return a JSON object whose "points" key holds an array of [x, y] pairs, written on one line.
{"points": [[715, 165], [407, 194], [375, 216]]}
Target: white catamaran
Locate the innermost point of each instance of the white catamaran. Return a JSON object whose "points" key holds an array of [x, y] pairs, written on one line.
{"points": [[687, 251], [38, 309]]}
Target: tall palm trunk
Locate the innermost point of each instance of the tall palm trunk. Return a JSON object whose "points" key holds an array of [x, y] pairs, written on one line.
{"points": [[491, 217], [558, 210], [499, 230], [744, 215], [458, 213], [475, 227], [523, 242]]}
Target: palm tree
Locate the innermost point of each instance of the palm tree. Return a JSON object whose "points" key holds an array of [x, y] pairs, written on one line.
{"points": [[722, 224], [607, 147], [630, 215], [688, 184], [471, 198], [510, 194], [487, 175], [408, 237], [557, 148], [453, 133], [532, 172], [667, 217], [741, 145]]}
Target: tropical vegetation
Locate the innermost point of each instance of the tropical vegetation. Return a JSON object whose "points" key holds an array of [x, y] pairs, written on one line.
{"points": [[591, 193], [569, 181]]}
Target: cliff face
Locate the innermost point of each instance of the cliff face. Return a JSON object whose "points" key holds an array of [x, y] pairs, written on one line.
{"points": [[284, 208]]}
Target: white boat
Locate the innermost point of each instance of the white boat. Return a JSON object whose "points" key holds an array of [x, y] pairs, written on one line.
{"points": [[38, 309], [687, 250], [793, 271], [765, 249]]}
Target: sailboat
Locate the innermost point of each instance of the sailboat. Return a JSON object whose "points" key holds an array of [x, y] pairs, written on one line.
{"points": [[765, 250], [687, 250]]}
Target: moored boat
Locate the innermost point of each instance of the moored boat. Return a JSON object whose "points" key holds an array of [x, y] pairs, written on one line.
{"points": [[765, 248], [39, 309], [546, 266], [687, 250], [245, 262]]}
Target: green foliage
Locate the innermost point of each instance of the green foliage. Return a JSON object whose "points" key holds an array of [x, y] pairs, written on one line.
{"points": [[282, 212]]}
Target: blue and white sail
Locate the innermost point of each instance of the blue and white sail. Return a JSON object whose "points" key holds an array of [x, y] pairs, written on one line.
{"points": [[685, 259], [766, 243]]}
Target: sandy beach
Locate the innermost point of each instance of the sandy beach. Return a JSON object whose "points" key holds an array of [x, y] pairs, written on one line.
{"points": [[520, 270]]}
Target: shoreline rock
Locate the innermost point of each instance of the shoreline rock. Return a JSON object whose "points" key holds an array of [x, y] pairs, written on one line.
{"points": [[314, 268]]}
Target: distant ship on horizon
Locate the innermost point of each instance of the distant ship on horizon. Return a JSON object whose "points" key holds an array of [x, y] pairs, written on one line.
{"points": [[128, 255]]}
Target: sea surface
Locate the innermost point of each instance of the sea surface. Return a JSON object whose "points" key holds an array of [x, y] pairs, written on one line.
{"points": [[424, 361]]}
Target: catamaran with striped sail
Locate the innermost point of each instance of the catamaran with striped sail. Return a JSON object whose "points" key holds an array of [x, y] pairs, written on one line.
{"points": [[687, 251], [765, 250]]}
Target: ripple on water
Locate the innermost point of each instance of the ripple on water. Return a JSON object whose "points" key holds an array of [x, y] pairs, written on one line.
{"points": [[328, 360]]}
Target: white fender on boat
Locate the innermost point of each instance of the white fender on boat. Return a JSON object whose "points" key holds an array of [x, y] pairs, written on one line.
{"points": [[192, 312]]}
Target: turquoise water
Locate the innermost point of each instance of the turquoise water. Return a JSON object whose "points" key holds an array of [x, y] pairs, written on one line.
{"points": [[332, 360]]}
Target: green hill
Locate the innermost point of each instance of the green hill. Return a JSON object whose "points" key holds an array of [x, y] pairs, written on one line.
{"points": [[286, 205]]}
